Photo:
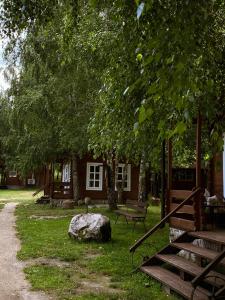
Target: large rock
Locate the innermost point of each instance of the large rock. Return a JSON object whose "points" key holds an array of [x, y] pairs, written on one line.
{"points": [[68, 204], [90, 227]]}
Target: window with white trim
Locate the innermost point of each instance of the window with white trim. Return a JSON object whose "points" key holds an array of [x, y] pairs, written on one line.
{"points": [[94, 176], [12, 173], [31, 181], [124, 175]]}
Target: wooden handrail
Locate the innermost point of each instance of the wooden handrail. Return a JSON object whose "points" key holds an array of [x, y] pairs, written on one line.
{"points": [[208, 268], [164, 220], [39, 190]]}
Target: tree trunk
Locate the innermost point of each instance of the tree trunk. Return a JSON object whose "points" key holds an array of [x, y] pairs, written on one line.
{"points": [[47, 182], [142, 181], [120, 185], [75, 179], [111, 193], [51, 180]]}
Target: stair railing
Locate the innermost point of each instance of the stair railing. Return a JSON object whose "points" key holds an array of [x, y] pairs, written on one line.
{"points": [[39, 190], [164, 220], [204, 274]]}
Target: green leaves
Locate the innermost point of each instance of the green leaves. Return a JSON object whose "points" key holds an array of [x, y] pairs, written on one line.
{"points": [[144, 114], [99, 61], [180, 128]]}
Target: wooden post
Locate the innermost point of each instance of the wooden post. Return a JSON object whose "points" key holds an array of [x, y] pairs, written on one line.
{"points": [[198, 151], [169, 179], [163, 180], [169, 175], [51, 180], [75, 179], [198, 202], [47, 180]]}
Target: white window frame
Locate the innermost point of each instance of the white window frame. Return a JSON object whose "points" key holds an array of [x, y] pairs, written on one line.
{"points": [[13, 174], [93, 188], [128, 188], [31, 181], [66, 172]]}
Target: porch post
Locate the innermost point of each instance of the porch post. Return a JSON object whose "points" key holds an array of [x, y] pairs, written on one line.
{"points": [[51, 180], [224, 165], [169, 175], [198, 151], [163, 180]]}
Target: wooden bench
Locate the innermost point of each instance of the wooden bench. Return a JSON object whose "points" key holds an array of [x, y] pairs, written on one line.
{"points": [[134, 211]]}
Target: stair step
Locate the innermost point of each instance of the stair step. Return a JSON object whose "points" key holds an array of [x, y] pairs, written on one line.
{"points": [[183, 224], [217, 236], [192, 268], [184, 288], [200, 251]]}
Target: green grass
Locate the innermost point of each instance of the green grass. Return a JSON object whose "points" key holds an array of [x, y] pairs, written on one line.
{"points": [[17, 195], [88, 261]]}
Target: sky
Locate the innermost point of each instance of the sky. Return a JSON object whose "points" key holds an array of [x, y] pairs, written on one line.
{"points": [[3, 84]]}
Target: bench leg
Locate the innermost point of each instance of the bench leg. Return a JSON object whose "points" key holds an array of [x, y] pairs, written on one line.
{"points": [[134, 225], [144, 226], [126, 219], [117, 217]]}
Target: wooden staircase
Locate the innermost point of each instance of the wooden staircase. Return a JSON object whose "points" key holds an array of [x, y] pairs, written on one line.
{"points": [[201, 279], [177, 273]]}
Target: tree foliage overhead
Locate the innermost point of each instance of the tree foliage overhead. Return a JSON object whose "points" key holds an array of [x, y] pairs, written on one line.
{"points": [[133, 73]]}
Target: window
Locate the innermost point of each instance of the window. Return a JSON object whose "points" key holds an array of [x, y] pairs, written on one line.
{"points": [[124, 173], [12, 174], [31, 181], [94, 176], [66, 172]]}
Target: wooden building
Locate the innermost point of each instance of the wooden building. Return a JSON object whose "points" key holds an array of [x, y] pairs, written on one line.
{"points": [[13, 179], [193, 263], [91, 179]]}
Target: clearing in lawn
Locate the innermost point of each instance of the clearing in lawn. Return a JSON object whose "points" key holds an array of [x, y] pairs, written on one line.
{"points": [[68, 269]]}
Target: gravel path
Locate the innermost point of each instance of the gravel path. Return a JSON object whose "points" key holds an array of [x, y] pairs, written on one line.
{"points": [[13, 285]]}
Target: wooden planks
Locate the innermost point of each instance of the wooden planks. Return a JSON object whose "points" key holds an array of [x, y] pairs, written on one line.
{"points": [[217, 236], [191, 268], [200, 251], [172, 280], [186, 209], [180, 194], [183, 224], [182, 275]]}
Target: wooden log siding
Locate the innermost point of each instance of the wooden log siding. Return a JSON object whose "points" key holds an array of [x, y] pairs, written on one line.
{"points": [[179, 194], [95, 195], [186, 209], [189, 216], [195, 193], [62, 190]]}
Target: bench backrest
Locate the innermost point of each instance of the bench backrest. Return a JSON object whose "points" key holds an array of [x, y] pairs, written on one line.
{"points": [[138, 206]]}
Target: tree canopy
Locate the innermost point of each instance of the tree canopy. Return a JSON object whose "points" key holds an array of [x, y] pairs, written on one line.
{"points": [[117, 76]]}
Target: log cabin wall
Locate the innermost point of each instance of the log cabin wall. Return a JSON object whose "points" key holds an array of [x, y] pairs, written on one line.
{"points": [[12, 180], [217, 174], [82, 174], [102, 194]]}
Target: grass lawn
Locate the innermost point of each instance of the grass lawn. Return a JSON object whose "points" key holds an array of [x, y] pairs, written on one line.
{"points": [[82, 271]]}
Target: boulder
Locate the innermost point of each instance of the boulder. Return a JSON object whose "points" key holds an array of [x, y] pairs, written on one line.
{"points": [[87, 200], [69, 204], [43, 200], [90, 227], [80, 202]]}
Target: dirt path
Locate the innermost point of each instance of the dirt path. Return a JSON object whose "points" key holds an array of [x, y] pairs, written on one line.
{"points": [[13, 285]]}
